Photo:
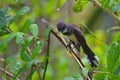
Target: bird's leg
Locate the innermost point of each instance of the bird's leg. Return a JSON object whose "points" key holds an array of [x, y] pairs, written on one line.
{"points": [[71, 45]]}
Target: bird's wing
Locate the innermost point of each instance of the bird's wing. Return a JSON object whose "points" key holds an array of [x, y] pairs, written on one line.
{"points": [[89, 53]]}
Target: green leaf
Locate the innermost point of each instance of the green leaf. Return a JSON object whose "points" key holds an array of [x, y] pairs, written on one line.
{"points": [[113, 53], [34, 29], [10, 19], [27, 25], [68, 78], [37, 49], [116, 8], [19, 38], [25, 56], [60, 3], [117, 70], [21, 12], [116, 37], [30, 75], [108, 4], [26, 66], [106, 77], [8, 38], [19, 72], [3, 32], [100, 76], [5, 9], [3, 49], [10, 59], [78, 6], [15, 65], [3, 20], [111, 2], [27, 43], [47, 31], [77, 76], [20, 1], [85, 72], [105, 4]]}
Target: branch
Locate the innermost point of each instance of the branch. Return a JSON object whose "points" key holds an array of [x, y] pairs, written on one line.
{"points": [[8, 73], [96, 3], [29, 51], [47, 56]]}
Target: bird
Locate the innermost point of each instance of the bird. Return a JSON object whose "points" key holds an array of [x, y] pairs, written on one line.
{"points": [[77, 38]]}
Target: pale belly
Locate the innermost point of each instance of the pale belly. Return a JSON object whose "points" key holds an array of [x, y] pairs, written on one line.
{"points": [[73, 38]]}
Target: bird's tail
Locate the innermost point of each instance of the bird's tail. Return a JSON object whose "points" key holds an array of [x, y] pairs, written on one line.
{"points": [[92, 59]]}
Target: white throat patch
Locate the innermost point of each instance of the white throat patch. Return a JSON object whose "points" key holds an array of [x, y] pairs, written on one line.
{"points": [[65, 30]]}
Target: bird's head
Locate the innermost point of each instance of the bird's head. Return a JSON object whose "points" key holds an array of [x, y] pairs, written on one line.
{"points": [[61, 26]]}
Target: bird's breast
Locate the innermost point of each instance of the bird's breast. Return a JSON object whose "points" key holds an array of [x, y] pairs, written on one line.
{"points": [[73, 38]]}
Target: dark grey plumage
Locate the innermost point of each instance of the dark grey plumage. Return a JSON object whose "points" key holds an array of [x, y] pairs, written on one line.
{"points": [[71, 29]]}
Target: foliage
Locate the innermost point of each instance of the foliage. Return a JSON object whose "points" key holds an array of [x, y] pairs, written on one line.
{"points": [[113, 5], [112, 69], [19, 26], [27, 57], [78, 6]]}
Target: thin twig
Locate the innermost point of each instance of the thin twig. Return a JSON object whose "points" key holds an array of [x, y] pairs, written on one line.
{"points": [[98, 4], [47, 57], [8, 73], [9, 30], [29, 51]]}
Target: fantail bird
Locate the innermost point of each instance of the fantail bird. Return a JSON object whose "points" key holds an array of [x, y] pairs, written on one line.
{"points": [[76, 37]]}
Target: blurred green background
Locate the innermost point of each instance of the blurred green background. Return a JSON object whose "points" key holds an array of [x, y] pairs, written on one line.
{"points": [[61, 64]]}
